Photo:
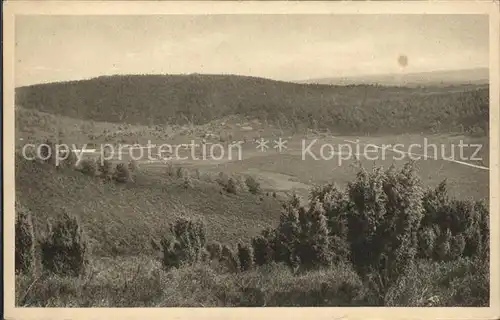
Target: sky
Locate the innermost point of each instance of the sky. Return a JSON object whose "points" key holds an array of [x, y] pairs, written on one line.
{"points": [[281, 47]]}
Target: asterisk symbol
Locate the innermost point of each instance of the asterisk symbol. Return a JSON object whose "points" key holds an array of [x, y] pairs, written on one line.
{"points": [[280, 144], [262, 145]]}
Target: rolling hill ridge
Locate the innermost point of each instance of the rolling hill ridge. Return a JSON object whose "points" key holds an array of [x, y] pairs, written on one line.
{"points": [[198, 99]]}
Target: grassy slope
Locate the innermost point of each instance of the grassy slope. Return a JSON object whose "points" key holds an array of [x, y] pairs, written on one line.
{"points": [[167, 99], [37, 126], [123, 218]]}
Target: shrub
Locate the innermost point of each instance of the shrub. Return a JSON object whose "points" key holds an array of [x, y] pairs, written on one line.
{"points": [[214, 249], [170, 170], [383, 225], [71, 159], [47, 152], [222, 179], [253, 185], [442, 251], [173, 254], [133, 167], [263, 252], [186, 182], [121, 174], [467, 222], [25, 241], [105, 169], [182, 173], [337, 207], [313, 248], [245, 257], [229, 259], [197, 174], [88, 167], [231, 186], [426, 242], [64, 248], [186, 245], [287, 237]]}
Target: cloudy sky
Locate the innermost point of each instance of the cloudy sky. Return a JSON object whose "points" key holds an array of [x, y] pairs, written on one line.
{"points": [[283, 47]]}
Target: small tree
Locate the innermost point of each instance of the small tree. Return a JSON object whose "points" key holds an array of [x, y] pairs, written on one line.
{"points": [[253, 185], [457, 246], [64, 248], [133, 167], [172, 253], [170, 170], [245, 257], [187, 244], [25, 241], [222, 179], [121, 174], [197, 174], [229, 259], [263, 252], [442, 250], [186, 182], [181, 173], [47, 152], [88, 167], [71, 159], [384, 222], [287, 238], [214, 249], [426, 242], [105, 169], [231, 186], [314, 246]]}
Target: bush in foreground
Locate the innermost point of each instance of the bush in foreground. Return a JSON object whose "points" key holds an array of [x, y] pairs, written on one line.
{"points": [[64, 248], [186, 245], [25, 241]]}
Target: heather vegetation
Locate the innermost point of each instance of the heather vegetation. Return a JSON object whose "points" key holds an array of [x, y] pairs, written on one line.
{"points": [[384, 239], [112, 233], [199, 99]]}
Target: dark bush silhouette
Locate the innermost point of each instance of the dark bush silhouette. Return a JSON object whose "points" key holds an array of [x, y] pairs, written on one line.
{"points": [[383, 224], [70, 160], [263, 251], [105, 168], [466, 222], [245, 257], [122, 173], [64, 248], [214, 249], [25, 240], [88, 167], [231, 186], [187, 244], [48, 152]]}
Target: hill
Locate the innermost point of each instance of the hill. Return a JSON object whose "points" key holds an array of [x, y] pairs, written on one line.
{"points": [[183, 99], [123, 218], [478, 76]]}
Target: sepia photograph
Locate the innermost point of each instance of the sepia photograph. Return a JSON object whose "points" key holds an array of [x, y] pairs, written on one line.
{"points": [[260, 157]]}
